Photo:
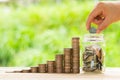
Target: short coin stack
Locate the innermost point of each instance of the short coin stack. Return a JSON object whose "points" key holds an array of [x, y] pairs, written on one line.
{"points": [[26, 71], [34, 69], [75, 55], [68, 62], [42, 68]]}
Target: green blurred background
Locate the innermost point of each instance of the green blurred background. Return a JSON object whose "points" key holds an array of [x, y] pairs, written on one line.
{"points": [[33, 32]]}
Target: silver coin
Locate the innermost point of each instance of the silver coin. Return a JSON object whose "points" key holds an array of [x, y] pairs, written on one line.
{"points": [[92, 30]]}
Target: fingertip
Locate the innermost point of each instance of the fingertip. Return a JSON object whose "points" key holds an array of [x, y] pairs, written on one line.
{"points": [[88, 25], [98, 31]]}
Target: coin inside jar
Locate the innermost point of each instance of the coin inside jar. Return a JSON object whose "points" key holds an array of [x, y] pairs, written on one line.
{"points": [[92, 58]]}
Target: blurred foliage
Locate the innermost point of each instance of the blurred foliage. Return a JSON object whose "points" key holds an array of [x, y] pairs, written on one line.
{"points": [[34, 34]]}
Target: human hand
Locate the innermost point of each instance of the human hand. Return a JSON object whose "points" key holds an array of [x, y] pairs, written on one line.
{"points": [[104, 14]]}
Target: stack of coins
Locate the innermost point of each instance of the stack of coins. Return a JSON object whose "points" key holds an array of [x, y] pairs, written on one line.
{"points": [[75, 55], [42, 68], [25, 71], [17, 71], [67, 60], [51, 66], [59, 63], [34, 69]]}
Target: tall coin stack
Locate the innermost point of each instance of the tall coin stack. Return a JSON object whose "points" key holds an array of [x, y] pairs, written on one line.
{"points": [[51, 66], [59, 63], [67, 60], [76, 56]]}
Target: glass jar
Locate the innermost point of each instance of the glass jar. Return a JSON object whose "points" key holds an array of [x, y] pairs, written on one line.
{"points": [[93, 53]]}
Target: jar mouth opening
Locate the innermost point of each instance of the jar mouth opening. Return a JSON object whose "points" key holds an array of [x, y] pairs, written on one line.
{"points": [[94, 38]]}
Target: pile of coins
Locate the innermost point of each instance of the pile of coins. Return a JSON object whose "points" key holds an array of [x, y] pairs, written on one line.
{"points": [[25, 71], [92, 58], [59, 63], [68, 62], [42, 68], [51, 66], [34, 69], [75, 55]]}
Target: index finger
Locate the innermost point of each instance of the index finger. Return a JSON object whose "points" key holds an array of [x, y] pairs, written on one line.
{"points": [[92, 16]]}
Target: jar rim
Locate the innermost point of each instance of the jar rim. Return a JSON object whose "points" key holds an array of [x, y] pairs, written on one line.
{"points": [[94, 38]]}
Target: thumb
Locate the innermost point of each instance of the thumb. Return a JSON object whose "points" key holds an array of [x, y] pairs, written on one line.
{"points": [[103, 25]]}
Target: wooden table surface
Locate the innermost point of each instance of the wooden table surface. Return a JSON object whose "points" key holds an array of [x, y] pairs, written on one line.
{"points": [[109, 74]]}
